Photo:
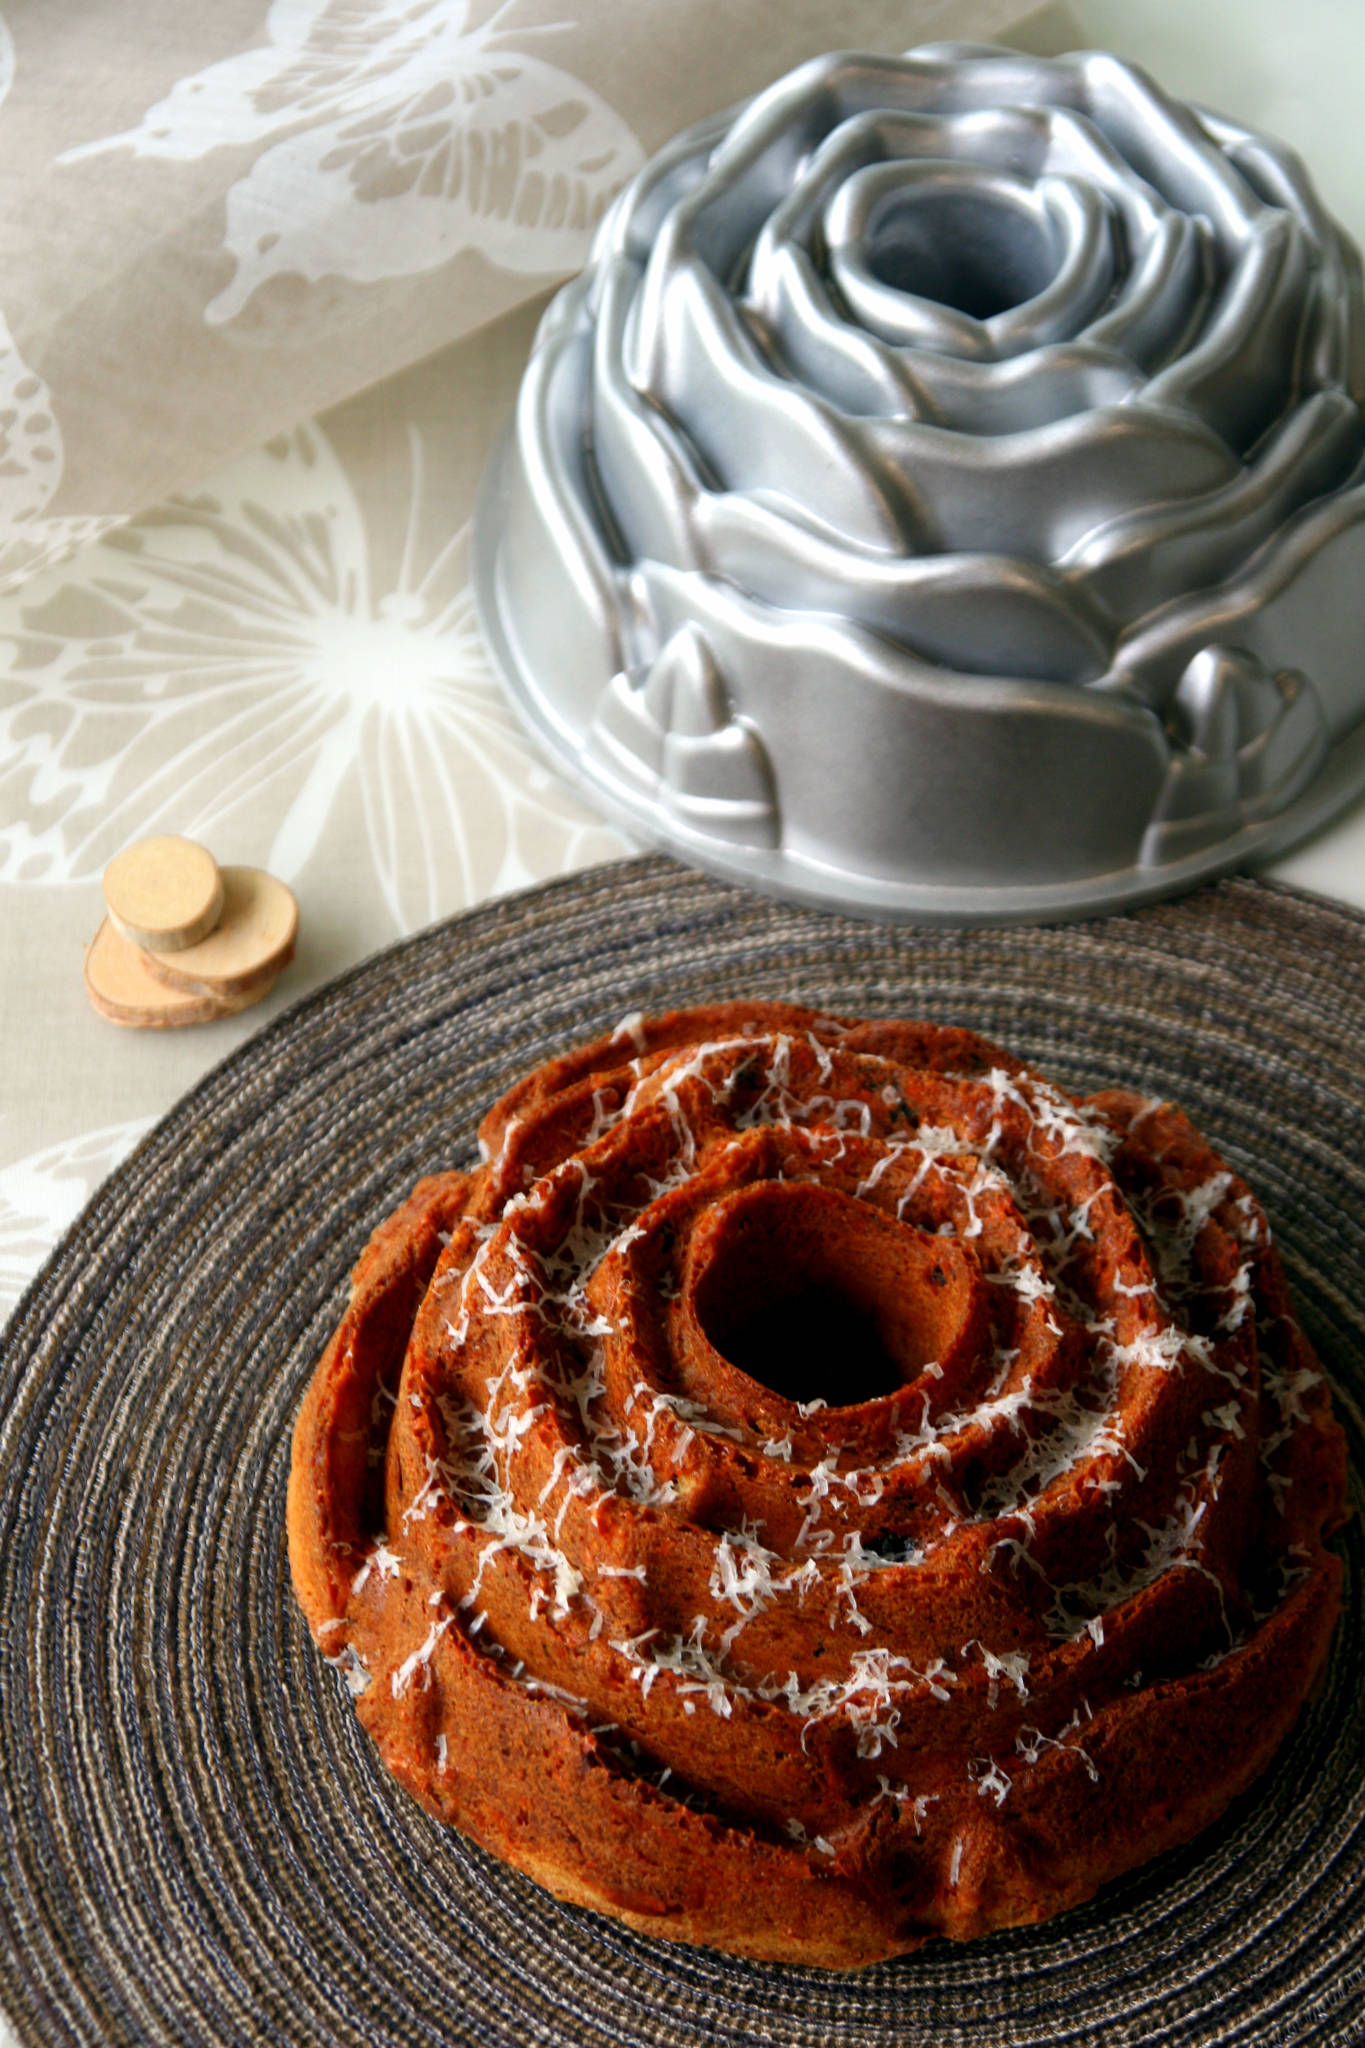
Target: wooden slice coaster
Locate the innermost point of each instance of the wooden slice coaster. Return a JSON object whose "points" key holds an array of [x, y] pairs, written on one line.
{"points": [[164, 893], [253, 940], [121, 989]]}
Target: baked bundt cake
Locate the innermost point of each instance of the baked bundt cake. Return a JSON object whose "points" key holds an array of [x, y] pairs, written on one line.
{"points": [[818, 1485]]}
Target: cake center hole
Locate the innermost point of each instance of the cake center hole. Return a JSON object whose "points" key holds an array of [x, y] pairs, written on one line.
{"points": [[818, 1343], [819, 1297], [979, 254]]}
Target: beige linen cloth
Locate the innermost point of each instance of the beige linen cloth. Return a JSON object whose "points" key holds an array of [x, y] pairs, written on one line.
{"points": [[219, 222]]}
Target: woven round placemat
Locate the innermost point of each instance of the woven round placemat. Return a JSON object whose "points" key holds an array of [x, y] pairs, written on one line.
{"points": [[199, 1845]]}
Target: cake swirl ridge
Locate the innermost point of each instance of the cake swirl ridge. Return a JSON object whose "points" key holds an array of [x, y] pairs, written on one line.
{"points": [[817, 1485]]}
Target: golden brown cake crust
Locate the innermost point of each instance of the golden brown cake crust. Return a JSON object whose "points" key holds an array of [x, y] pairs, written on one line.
{"points": [[819, 1486]]}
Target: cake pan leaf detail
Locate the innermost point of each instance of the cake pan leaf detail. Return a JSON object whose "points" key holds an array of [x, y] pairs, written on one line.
{"points": [[943, 494]]}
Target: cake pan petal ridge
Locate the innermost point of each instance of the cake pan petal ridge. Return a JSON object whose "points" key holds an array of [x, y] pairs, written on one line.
{"points": [[943, 493]]}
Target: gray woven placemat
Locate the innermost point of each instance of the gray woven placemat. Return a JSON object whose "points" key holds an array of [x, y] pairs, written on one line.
{"points": [[199, 1845]]}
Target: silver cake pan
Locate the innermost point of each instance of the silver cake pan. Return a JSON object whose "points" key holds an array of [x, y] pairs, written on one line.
{"points": [[943, 494]]}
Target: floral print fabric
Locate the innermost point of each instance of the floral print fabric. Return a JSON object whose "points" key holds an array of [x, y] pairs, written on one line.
{"points": [[298, 250]]}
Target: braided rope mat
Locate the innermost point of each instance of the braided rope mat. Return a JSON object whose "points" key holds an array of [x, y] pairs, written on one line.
{"points": [[199, 1845]]}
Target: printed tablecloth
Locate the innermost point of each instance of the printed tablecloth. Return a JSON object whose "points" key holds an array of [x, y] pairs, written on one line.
{"points": [[217, 221]]}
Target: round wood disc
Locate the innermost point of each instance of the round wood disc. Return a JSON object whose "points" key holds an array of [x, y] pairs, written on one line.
{"points": [[164, 893], [198, 1841], [121, 988], [253, 939]]}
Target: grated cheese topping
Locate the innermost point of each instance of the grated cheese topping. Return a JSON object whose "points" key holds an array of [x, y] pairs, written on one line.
{"points": [[1116, 1308]]}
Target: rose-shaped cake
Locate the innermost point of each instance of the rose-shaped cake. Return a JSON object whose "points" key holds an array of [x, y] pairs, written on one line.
{"points": [[818, 1486], [943, 492]]}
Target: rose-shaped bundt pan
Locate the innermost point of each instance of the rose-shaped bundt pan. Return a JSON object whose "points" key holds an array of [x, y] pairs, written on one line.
{"points": [[818, 1486], [943, 493]]}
